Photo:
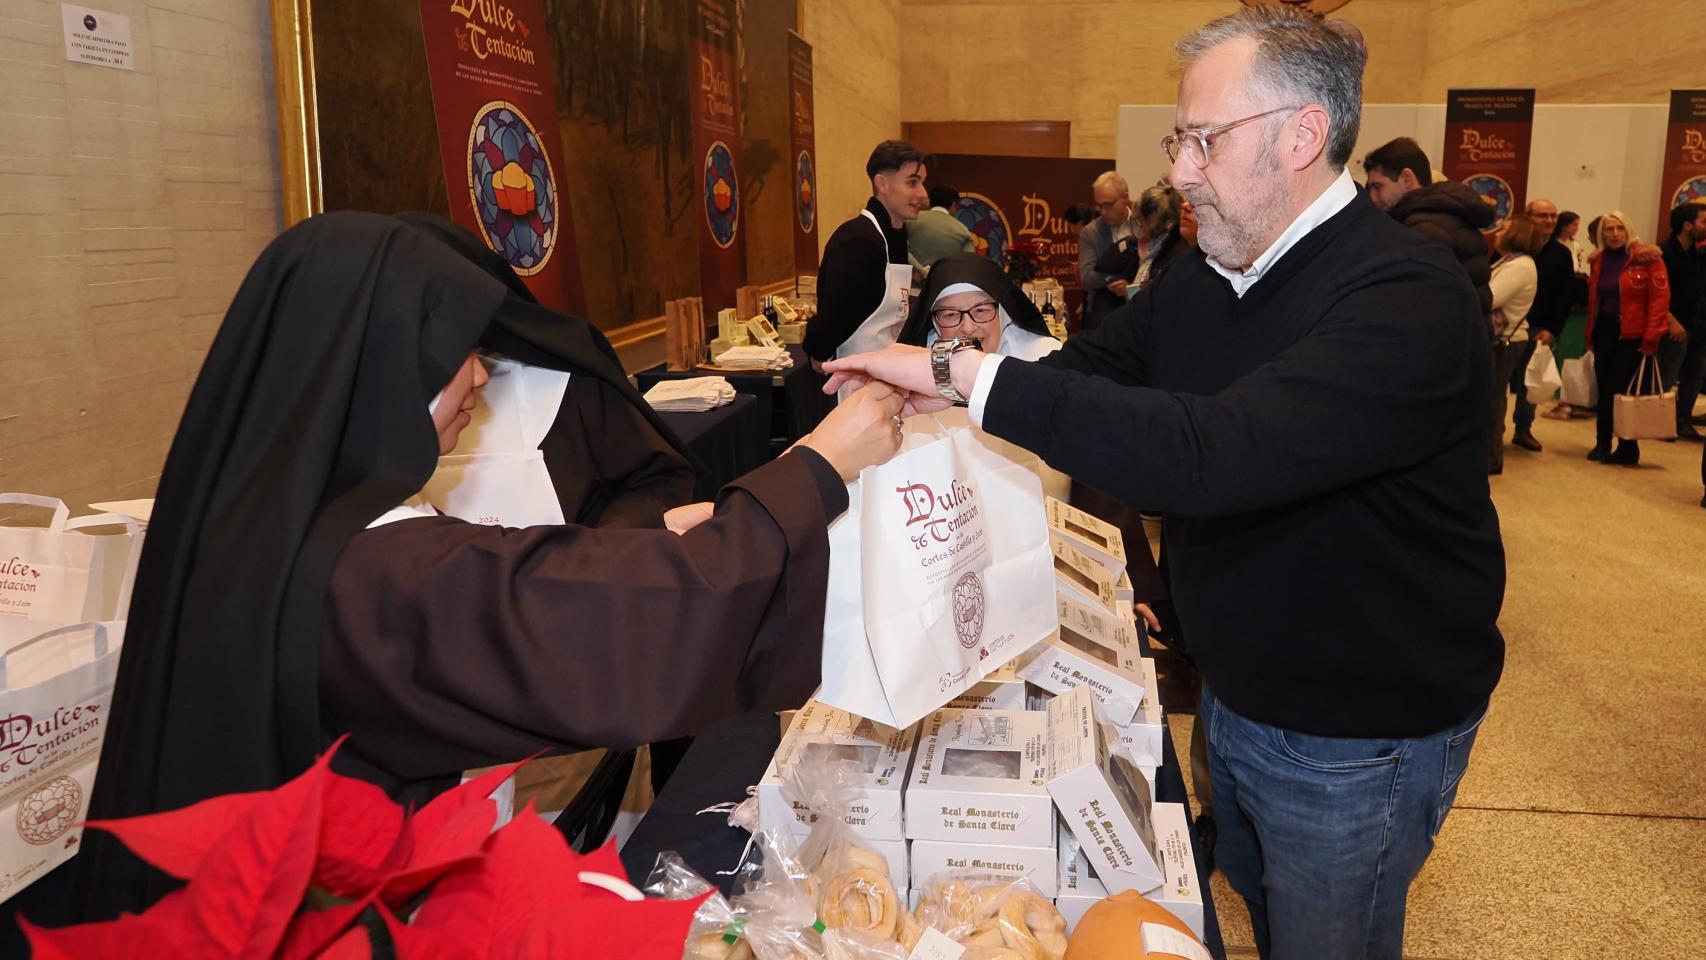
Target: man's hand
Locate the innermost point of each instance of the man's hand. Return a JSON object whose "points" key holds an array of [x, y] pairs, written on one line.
{"points": [[681, 519], [1149, 617], [1543, 337], [1117, 287], [1676, 331], [907, 369]]}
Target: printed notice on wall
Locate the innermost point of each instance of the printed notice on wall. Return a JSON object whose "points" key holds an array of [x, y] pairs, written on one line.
{"points": [[97, 37]]}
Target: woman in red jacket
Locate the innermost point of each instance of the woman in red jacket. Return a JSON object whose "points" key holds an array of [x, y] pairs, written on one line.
{"points": [[1628, 302]]}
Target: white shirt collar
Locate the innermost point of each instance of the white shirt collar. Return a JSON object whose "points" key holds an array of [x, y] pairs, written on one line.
{"points": [[1333, 199]]}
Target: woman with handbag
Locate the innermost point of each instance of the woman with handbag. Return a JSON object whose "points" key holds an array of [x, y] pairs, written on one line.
{"points": [[1514, 281], [1628, 306]]}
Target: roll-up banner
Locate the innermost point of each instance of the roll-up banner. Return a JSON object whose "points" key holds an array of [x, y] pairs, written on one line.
{"points": [[494, 98], [1487, 137], [802, 147], [1684, 177], [715, 96]]}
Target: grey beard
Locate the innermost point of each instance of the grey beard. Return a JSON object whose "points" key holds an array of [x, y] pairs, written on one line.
{"points": [[1235, 243]]}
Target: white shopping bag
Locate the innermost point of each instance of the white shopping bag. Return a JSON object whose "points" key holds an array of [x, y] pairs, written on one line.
{"points": [[496, 475], [56, 685], [61, 572], [1580, 387], [1541, 378], [939, 574]]}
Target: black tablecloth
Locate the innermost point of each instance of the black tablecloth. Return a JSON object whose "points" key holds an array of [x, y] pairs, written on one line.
{"points": [[790, 402], [729, 440], [731, 756]]}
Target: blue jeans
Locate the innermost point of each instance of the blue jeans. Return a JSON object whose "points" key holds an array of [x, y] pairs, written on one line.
{"points": [[1322, 836]]}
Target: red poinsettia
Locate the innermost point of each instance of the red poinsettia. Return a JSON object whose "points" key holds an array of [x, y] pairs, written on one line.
{"points": [[329, 867]]}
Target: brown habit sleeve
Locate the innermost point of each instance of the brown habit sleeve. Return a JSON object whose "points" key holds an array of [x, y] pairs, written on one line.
{"points": [[453, 645]]}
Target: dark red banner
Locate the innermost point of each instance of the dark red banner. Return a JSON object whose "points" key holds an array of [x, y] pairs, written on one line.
{"points": [[1487, 137], [1007, 200], [1684, 177], [802, 146], [715, 96], [495, 104]]}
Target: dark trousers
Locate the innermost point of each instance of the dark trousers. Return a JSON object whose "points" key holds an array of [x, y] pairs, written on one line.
{"points": [[1614, 365], [1506, 357], [1692, 375], [1524, 416]]}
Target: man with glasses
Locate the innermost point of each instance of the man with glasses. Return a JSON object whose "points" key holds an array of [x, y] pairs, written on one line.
{"points": [[1305, 400], [1104, 292]]}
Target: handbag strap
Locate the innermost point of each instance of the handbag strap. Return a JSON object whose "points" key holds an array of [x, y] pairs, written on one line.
{"points": [[100, 635], [60, 512], [1635, 382]]}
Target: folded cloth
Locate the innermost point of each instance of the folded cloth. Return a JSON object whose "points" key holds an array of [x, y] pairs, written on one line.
{"points": [[755, 358], [693, 395]]}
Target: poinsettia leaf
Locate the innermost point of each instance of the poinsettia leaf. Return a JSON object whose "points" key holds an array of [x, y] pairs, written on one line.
{"points": [[313, 931], [360, 837], [156, 933], [607, 861], [250, 884], [450, 830], [353, 945], [609, 930], [412, 943], [177, 840], [527, 870]]}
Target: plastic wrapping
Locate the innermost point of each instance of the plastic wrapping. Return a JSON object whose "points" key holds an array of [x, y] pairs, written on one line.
{"points": [[718, 929], [995, 915], [848, 879]]}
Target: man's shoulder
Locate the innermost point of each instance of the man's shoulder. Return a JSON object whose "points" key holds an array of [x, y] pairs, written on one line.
{"points": [[857, 231], [1091, 231]]}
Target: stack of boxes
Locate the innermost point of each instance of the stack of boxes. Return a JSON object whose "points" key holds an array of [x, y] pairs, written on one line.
{"points": [[1044, 770]]}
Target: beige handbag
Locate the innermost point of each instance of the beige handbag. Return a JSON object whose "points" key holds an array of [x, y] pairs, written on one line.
{"points": [[1645, 416]]}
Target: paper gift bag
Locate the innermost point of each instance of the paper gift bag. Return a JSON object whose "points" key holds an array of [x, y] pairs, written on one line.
{"points": [[496, 475], [1640, 414], [56, 685], [954, 577], [1580, 388], [1541, 377], [62, 572]]}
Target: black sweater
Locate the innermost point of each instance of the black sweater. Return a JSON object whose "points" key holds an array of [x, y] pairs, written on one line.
{"points": [[1319, 448], [852, 279]]}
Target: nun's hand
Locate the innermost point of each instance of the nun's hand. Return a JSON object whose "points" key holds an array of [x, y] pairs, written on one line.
{"points": [[681, 519], [862, 430]]}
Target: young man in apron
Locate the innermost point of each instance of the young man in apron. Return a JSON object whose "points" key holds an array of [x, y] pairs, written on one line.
{"points": [[863, 282]]}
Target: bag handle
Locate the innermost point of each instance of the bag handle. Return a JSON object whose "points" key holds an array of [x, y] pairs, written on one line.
{"points": [[130, 524], [1640, 375], [100, 632], [60, 512]]}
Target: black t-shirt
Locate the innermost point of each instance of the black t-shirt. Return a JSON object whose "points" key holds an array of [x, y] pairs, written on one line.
{"points": [[852, 278]]}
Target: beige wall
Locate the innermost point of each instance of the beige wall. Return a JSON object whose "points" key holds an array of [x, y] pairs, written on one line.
{"points": [[131, 204], [1077, 60], [856, 89]]}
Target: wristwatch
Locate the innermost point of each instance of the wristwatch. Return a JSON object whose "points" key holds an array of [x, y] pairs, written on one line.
{"points": [[940, 351]]}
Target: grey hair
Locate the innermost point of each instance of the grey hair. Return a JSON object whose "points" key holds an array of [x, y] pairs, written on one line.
{"points": [[1113, 181], [1300, 55]]}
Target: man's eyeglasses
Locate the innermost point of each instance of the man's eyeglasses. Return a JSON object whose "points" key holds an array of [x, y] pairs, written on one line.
{"points": [[1194, 144], [948, 318], [1107, 205]]}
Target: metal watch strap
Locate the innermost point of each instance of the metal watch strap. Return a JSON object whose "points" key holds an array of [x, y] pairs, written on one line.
{"points": [[940, 368]]}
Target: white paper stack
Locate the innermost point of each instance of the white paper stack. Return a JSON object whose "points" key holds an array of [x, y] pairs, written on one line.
{"points": [[693, 395], [754, 358]]}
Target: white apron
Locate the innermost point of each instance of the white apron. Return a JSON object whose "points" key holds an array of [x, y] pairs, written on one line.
{"points": [[882, 327], [496, 475]]}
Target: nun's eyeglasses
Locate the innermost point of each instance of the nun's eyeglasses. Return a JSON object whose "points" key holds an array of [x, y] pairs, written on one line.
{"points": [[948, 318]]}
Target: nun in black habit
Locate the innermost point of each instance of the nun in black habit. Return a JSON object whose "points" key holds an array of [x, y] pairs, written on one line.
{"points": [[272, 613]]}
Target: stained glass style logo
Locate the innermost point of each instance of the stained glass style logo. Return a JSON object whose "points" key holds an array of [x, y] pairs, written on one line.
{"points": [[722, 194], [1498, 195], [1691, 191], [512, 188], [988, 225], [805, 191]]}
